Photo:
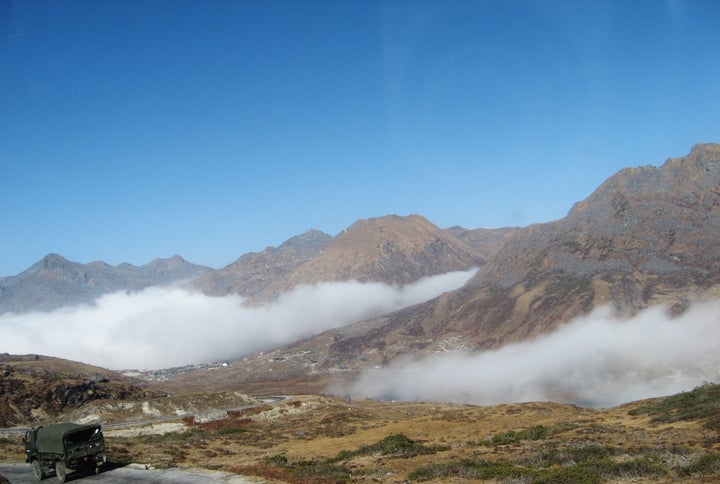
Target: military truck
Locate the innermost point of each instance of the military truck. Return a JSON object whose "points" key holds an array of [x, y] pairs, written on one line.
{"points": [[64, 447]]}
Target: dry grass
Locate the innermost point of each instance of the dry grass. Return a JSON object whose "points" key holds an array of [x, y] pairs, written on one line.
{"points": [[322, 439]]}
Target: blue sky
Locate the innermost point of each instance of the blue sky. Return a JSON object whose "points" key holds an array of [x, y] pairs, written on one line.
{"points": [[145, 128]]}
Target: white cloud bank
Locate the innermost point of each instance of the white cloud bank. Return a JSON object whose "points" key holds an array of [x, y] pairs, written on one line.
{"points": [[166, 327], [597, 360]]}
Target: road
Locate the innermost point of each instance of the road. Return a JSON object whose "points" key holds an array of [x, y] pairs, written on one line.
{"points": [[22, 474]]}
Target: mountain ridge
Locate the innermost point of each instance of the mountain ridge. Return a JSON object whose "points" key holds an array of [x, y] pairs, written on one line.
{"points": [[55, 282], [647, 236]]}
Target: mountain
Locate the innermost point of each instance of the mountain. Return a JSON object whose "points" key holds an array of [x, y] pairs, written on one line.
{"points": [[254, 272], [646, 236], [54, 281], [391, 249]]}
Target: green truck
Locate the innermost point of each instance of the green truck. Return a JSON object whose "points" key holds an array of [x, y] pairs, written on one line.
{"points": [[64, 447]]}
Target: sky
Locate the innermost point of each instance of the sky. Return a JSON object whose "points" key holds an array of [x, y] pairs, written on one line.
{"points": [[137, 129]]}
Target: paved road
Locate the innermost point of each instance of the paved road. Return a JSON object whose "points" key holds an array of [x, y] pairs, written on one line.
{"points": [[22, 474]]}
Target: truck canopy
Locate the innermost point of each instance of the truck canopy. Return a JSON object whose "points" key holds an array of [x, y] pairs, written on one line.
{"points": [[52, 438]]}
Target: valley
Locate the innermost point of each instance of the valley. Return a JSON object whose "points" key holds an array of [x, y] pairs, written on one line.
{"points": [[578, 350]]}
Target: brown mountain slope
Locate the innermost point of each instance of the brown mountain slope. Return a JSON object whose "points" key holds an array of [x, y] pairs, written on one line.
{"points": [[392, 249], [486, 242], [646, 236]]}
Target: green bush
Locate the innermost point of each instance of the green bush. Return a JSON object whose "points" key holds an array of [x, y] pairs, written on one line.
{"points": [[537, 432], [319, 471], [706, 464], [473, 469], [703, 402], [601, 470], [396, 445], [277, 460]]}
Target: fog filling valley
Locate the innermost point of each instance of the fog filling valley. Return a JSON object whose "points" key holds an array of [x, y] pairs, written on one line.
{"points": [[597, 360], [167, 327]]}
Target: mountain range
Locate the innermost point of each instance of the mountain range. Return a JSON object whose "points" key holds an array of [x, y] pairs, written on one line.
{"points": [[55, 282], [647, 236], [392, 249]]}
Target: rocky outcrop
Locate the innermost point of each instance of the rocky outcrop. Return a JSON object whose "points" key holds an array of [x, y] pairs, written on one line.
{"points": [[36, 388]]}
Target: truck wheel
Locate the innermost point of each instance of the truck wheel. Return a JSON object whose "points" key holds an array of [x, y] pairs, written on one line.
{"points": [[37, 470], [60, 471]]}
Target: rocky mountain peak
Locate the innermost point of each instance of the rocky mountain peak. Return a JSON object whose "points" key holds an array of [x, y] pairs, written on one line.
{"points": [[678, 180], [50, 262], [311, 238], [392, 249]]}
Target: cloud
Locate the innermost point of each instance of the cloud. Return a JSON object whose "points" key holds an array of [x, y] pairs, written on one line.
{"points": [[597, 360], [166, 327]]}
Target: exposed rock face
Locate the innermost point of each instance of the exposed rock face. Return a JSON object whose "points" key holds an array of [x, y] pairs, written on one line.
{"points": [[35, 388], [646, 236], [55, 281]]}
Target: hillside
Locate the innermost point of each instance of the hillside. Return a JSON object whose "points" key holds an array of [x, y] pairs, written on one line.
{"points": [[305, 439], [646, 236], [35, 388]]}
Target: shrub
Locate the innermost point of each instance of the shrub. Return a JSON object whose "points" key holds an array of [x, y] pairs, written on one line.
{"points": [[706, 464], [473, 469], [319, 471], [396, 445], [602, 470], [702, 402]]}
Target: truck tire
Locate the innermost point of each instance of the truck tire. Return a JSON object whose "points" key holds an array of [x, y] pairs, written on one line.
{"points": [[60, 471], [37, 470]]}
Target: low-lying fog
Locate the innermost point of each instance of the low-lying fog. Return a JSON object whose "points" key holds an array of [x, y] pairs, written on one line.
{"points": [[597, 361], [168, 327]]}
